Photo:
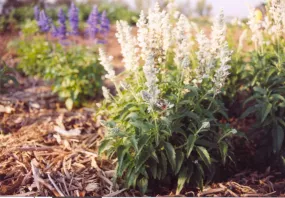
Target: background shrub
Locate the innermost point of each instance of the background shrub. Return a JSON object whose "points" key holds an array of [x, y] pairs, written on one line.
{"points": [[74, 71]]}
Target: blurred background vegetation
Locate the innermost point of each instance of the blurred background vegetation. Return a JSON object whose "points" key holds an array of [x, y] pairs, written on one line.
{"points": [[14, 13]]}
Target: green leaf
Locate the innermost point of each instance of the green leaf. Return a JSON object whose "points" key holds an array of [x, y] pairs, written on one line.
{"points": [[154, 156], [190, 144], [144, 126], [251, 98], [278, 138], [143, 157], [198, 178], [277, 97], [104, 145], [134, 143], [249, 111], [179, 160], [267, 111], [125, 165], [224, 151], [203, 153], [132, 116], [132, 178], [163, 163], [182, 177], [260, 90], [142, 184], [206, 143], [142, 142], [121, 151], [153, 168], [190, 172], [171, 155]]}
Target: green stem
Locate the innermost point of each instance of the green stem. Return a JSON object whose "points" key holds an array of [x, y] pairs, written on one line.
{"points": [[211, 102], [156, 126], [180, 80]]}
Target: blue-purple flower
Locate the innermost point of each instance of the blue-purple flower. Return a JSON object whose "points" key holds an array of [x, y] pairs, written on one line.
{"points": [[37, 12], [44, 22], [105, 24], [93, 22], [61, 31], [73, 19], [54, 31]]}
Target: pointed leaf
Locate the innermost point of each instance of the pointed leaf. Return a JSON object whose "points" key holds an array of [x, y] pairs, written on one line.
{"points": [[144, 126], [142, 142], [190, 172], [171, 155], [154, 156], [163, 162], [143, 157], [249, 111], [121, 151], [104, 145], [190, 144], [179, 160], [267, 111], [134, 143], [203, 153], [224, 151], [278, 138], [153, 168], [182, 177]]}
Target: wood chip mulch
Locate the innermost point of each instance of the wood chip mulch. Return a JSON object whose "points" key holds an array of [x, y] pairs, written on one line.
{"points": [[46, 150]]}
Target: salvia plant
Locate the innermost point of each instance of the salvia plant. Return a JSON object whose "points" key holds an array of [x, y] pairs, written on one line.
{"points": [[261, 74], [162, 126]]}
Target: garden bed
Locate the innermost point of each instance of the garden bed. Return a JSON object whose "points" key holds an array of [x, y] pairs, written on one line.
{"points": [[165, 125], [39, 157]]}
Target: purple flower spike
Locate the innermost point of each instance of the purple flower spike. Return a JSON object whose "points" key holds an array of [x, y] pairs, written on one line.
{"points": [[93, 22], [73, 19], [105, 24], [62, 26], [37, 13], [54, 31], [44, 22]]}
